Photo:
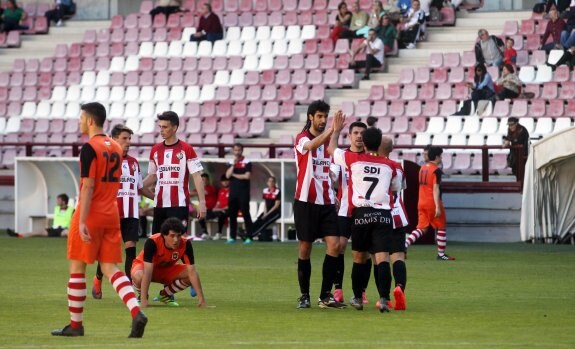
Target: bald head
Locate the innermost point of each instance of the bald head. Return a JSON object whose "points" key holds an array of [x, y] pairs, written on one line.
{"points": [[386, 146]]}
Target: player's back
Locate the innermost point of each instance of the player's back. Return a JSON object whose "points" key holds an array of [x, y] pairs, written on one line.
{"points": [[105, 168], [427, 180], [372, 180]]}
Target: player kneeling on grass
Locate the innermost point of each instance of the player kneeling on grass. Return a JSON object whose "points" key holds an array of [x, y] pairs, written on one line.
{"points": [[158, 262]]}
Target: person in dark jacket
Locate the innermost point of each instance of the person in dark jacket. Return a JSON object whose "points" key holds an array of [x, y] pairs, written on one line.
{"points": [[517, 134], [210, 27], [488, 49]]}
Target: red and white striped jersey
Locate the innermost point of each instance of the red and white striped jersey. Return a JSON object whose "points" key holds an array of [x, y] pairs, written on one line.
{"points": [[130, 183], [342, 192], [172, 165], [372, 179], [398, 212], [313, 182]]}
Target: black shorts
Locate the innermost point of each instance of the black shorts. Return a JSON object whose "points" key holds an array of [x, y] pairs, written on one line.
{"points": [[163, 213], [344, 226], [314, 221], [130, 229], [54, 232], [372, 231]]}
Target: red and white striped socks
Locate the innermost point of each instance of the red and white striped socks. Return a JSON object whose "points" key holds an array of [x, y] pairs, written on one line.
{"points": [[416, 234], [175, 287], [76, 298], [123, 287], [441, 242]]}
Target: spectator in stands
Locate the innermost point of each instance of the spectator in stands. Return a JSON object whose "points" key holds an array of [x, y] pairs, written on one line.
{"points": [[509, 54], [567, 58], [559, 5], [359, 19], [210, 27], [60, 9], [413, 25], [374, 19], [342, 22], [488, 49], [61, 221], [517, 134], [508, 85], [554, 28], [374, 50], [211, 199], [272, 212], [13, 16], [482, 89], [387, 33], [568, 35], [167, 7], [371, 121]]}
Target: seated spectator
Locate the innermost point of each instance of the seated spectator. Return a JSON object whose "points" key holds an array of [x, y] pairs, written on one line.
{"points": [[374, 50], [167, 7], [342, 22], [359, 20], [508, 85], [387, 33], [391, 9], [568, 35], [374, 18], [60, 9], [61, 221], [509, 55], [554, 28], [412, 26], [487, 49], [272, 209], [13, 16], [517, 134], [481, 89], [210, 27], [567, 58]]}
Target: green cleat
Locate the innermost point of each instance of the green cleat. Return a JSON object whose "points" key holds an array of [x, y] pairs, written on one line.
{"points": [[167, 300]]}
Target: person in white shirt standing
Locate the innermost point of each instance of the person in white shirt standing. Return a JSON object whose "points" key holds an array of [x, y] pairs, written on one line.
{"points": [[373, 47]]}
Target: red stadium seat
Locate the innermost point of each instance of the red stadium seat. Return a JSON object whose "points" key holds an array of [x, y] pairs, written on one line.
{"points": [[527, 27], [567, 90], [439, 75], [422, 75], [537, 108], [393, 91]]}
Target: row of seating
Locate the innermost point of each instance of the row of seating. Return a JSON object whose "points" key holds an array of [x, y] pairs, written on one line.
{"points": [[10, 40]]}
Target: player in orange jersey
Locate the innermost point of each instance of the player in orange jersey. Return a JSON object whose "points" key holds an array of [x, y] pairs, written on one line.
{"points": [[431, 212], [158, 262], [95, 228]]}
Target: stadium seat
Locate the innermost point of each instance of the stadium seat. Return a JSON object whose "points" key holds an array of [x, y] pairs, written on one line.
{"points": [[453, 125], [561, 74], [544, 74], [501, 108], [562, 124], [510, 28], [409, 92], [489, 125], [435, 60], [527, 74], [537, 108]]}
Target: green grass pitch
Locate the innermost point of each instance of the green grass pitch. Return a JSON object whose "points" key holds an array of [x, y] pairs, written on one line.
{"points": [[493, 295]]}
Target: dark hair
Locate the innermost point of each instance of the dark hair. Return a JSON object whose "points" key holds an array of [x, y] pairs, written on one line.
{"points": [[64, 198], [356, 124], [224, 178], [371, 138], [170, 116], [96, 112], [371, 120], [509, 68], [239, 145], [273, 177], [209, 6], [434, 152], [341, 4], [426, 148], [172, 224], [371, 30], [205, 175], [13, 2], [477, 78], [314, 107], [119, 128], [511, 39]]}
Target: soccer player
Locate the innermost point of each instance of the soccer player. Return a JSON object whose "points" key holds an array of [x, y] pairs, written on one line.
{"points": [[430, 206], [400, 222], [211, 194], [239, 172], [131, 186], [171, 163], [314, 210], [372, 179], [272, 209], [341, 175], [95, 227], [60, 224], [158, 262]]}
